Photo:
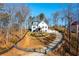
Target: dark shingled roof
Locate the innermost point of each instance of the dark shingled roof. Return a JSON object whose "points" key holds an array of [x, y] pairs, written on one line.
{"points": [[75, 22]]}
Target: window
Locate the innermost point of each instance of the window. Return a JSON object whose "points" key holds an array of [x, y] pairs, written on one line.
{"points": [[42, 23], [33, 27], [45, 26], [45, 30]]}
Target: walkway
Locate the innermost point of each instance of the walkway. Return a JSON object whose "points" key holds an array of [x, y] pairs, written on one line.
{"points": [[51, 46], [42, 51]]}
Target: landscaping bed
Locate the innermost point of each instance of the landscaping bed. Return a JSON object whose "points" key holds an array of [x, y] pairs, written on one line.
{"points": [[43, 37]]}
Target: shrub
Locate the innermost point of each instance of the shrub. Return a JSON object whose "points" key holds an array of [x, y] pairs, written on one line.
{"points": [[13, 41]]}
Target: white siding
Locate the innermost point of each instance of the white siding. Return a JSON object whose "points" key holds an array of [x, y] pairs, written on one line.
{"points": [[43, 26], [34, 28], [78, 28]]}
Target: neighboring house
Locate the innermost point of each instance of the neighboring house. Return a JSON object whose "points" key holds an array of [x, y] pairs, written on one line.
{"points": [[75, 26]]}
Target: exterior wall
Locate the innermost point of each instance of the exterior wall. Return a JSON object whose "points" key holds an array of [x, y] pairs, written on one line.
{"points": [[34, 28], [78, 28], [43, 26], [74, 28]]}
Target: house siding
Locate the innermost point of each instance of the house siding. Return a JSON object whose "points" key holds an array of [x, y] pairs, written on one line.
{"points": [[43, 26]]}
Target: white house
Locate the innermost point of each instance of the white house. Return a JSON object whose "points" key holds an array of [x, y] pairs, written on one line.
{"points": [[34, 26], [43, 26]]}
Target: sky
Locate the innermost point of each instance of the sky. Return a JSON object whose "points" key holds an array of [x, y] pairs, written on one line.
{"points": [[37, 8], [47, 8]]}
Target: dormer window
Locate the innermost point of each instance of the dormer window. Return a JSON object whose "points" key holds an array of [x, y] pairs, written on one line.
{"points": [[45, 30], [43, 27]]}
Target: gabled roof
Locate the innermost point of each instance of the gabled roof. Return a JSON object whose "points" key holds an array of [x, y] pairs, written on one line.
{"points": [[74, 22], [42, 22]]}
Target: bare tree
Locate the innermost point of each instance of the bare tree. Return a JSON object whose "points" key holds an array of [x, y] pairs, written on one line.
{"points": [[13, 18], [55, 18], [21, 15], [69, 15], [30, 20]]}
